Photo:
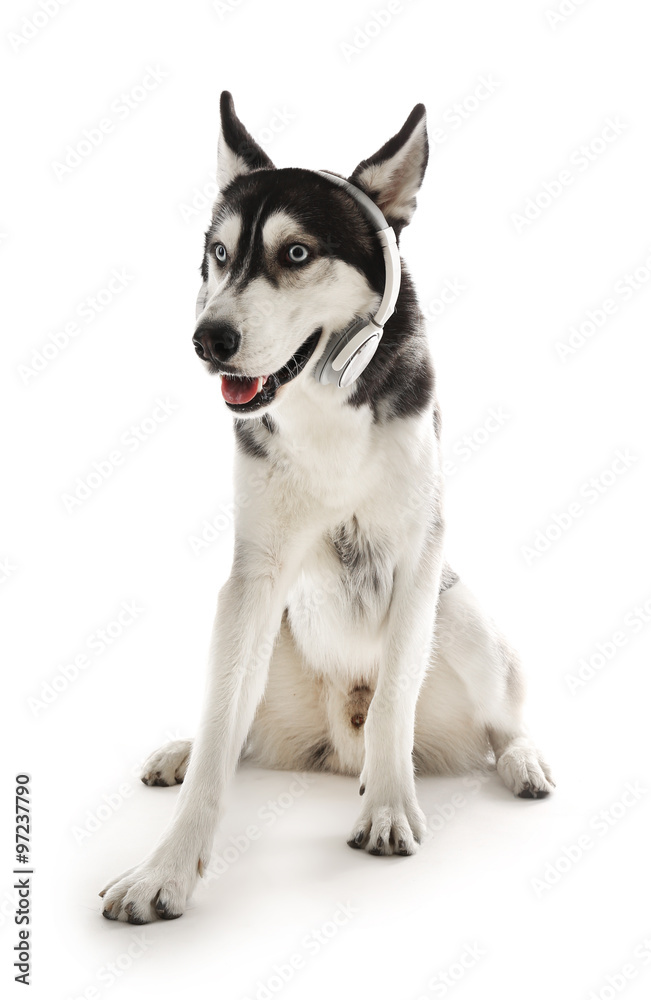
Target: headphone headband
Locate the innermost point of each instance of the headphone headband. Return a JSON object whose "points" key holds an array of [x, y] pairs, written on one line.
{"points": [[374, 213]]}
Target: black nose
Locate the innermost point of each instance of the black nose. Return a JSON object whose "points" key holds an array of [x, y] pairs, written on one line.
{"points": [[216, 341]]}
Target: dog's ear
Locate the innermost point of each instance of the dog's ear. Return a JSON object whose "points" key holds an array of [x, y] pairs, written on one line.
{"points": [[237, 152], [393, 175]]}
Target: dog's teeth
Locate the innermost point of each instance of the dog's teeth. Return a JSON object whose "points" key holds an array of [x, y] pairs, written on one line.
{"points": [[261, 382]]}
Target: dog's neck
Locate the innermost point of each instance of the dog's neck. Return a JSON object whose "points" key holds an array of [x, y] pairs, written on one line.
{"points": [[331, 441]]}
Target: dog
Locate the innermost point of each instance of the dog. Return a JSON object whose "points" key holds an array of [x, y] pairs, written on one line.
{"points": [[342, 641]]}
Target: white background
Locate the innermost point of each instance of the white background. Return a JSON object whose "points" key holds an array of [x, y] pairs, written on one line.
{"points": [[66, 573]]}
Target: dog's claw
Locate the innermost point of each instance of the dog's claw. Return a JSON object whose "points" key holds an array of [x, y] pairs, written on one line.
{"points": [[389, 829], [108, 912], [356, 841], [529, 792], [379, 847], [131, 916], [163, 911]]}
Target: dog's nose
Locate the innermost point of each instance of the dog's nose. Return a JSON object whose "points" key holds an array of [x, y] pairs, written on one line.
{"points": [[216, 341]]}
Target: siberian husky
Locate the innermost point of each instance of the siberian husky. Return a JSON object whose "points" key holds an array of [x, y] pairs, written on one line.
{"points": [[342, 640]]}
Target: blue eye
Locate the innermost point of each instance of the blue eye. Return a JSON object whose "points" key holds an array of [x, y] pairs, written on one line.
{"points": [[220, 253], [297, 253]]}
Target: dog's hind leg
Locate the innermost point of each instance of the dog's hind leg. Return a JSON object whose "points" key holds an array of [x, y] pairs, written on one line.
{"points": [[470, 644], [289, 731], [168, 764], [520, 765]]}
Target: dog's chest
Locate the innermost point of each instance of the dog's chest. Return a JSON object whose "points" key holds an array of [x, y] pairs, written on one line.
{"points": [[350, 484], [340, 600]]}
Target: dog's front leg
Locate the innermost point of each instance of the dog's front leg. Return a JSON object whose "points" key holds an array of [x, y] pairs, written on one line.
{"points": [[391, 821], [248, 618]]}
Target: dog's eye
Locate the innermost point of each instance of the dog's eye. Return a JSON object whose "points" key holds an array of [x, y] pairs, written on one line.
{"points": [[297, 254], [220, 253]]}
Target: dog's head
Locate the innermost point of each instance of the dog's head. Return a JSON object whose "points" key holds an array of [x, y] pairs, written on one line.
{"points": [[290, 258]]}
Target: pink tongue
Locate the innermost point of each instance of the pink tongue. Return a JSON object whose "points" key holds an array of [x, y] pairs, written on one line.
{"points": [[239, 390]]}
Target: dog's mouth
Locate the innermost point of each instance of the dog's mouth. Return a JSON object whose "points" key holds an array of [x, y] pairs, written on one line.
{"points": [[245, 393]]}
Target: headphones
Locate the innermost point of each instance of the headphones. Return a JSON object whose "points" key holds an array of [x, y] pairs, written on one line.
{"points": [[349, 351]]}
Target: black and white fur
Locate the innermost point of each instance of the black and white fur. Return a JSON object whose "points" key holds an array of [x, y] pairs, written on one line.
{"points": [[342, 640]]}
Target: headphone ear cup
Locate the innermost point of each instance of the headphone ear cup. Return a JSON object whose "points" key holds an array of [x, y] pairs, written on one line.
{"points": [[361, 357], [324, 372]]}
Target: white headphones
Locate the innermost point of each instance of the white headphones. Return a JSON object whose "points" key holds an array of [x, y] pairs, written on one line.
{"points": [[349, 351]]}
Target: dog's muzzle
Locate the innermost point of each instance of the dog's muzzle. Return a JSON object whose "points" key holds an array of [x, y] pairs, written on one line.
{"points": [[244, 393], [216, 341]]}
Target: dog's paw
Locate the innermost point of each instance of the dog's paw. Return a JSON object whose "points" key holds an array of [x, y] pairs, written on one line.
{"points": [[389, 829], [524, 771], [167, 766], [150, 891]]}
